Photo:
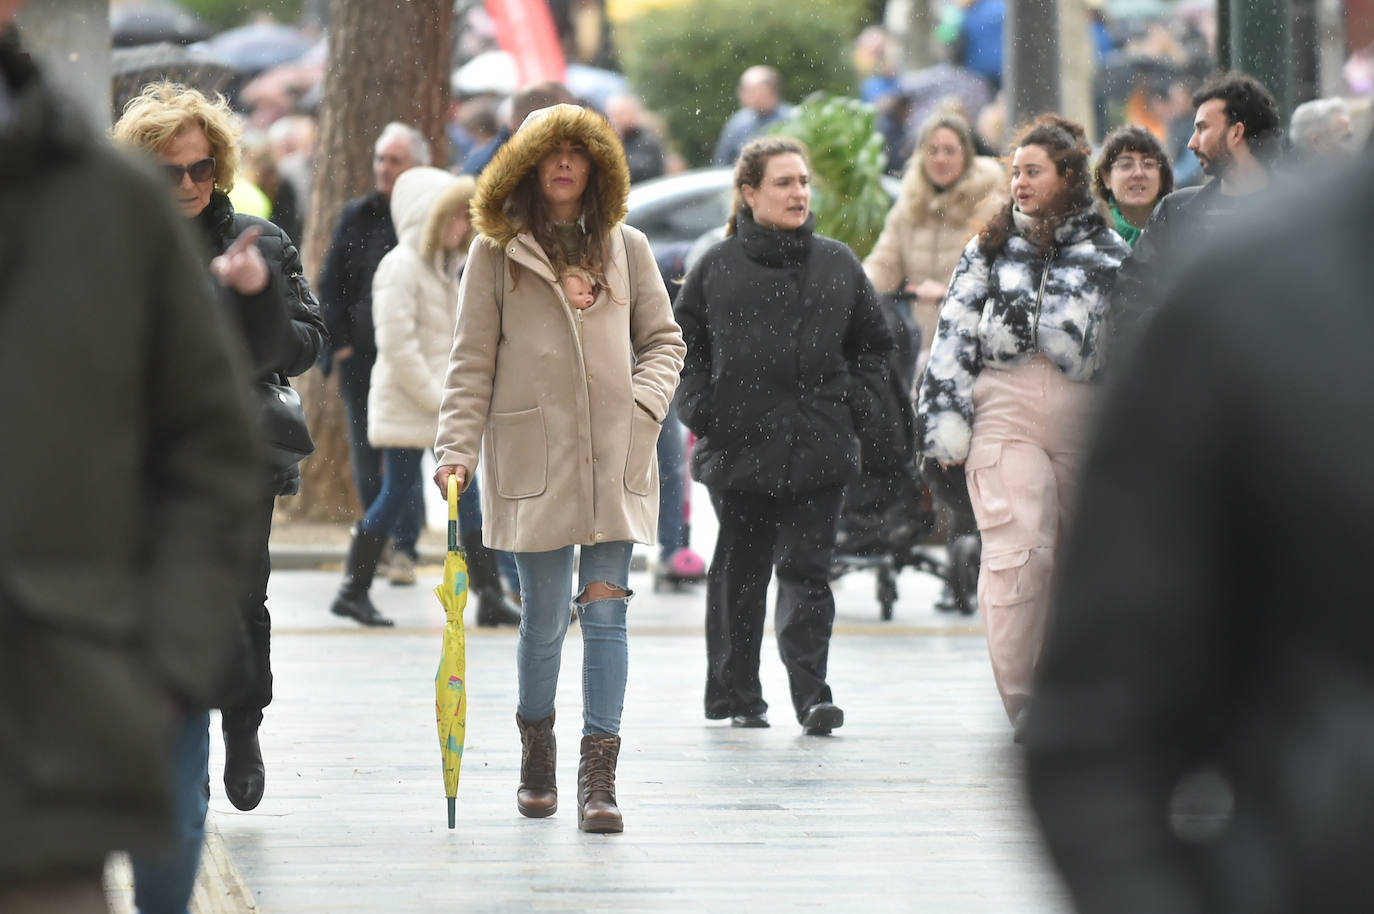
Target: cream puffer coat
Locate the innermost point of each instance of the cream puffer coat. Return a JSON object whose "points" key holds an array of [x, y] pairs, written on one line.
{"points": [[565, 405], [925, 232], [414, 309]]}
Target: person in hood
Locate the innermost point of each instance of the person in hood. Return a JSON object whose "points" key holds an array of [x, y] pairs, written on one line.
{"points": [[948, 193], [563, 405], [259, 273], [784, 333], [413, 296], [1008, 389]]}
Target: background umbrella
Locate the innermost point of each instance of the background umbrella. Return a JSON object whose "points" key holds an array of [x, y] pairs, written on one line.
{"points": [[133, 68], [257, 46], [152, 21], [450, 686]]}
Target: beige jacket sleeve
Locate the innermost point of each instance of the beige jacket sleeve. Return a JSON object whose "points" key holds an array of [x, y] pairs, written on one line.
{"points": [[472, 361], [656, 337], [884, 263]]}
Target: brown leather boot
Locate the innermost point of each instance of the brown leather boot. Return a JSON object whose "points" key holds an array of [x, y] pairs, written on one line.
{"points": [[538, 793], [596, 809]]}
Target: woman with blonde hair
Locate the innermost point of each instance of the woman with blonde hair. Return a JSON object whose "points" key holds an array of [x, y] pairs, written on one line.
{"points": [[948, 192], [195, 140], [1008, 389], [563, 404], [414, 309]]}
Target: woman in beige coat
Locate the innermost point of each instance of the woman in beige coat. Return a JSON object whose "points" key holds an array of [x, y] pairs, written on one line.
{"points": [[948, 193], [565, 405]]}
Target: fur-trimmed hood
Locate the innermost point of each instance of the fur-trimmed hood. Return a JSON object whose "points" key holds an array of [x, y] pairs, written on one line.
{"points": [[958, 201], [538, 135]]}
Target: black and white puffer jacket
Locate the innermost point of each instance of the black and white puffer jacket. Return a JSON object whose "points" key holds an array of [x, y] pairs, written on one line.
{"points": [[1004, 309]]}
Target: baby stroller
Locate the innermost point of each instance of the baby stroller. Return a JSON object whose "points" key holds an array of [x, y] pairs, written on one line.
{"points": [[890, 516]]}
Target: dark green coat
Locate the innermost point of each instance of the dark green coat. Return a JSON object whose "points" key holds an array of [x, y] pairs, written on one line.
{"points": [[127, 473]]}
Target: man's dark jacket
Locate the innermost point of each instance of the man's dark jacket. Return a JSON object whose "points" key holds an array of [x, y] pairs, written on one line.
{"points": [[127, 475], [1212, 625], [281, 324], [786, 358], [1180, 226], [362, 237]]}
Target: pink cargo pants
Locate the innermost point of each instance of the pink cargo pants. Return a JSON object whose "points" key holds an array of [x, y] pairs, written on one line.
{"points": [[1028, 430]]}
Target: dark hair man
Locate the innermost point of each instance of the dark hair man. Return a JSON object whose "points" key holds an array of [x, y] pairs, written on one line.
{"points": [[1237, 138]]}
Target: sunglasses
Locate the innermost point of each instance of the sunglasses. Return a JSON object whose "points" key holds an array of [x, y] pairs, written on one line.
{"points": [[200, 171]]}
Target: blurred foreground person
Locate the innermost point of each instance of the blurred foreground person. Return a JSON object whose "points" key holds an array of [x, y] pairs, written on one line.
{"points": [[129, 474], [1202, 738], [785, 338]]}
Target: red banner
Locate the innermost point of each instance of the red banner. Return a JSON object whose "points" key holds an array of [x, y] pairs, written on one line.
{"points": [[525, 29]]}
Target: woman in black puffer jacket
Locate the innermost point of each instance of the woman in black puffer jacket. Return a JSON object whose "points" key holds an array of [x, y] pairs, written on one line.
{"points": [[260, 279], [786, 358]]}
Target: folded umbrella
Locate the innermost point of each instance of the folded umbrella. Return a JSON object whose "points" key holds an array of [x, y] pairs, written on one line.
{"points": [[450, 687]]}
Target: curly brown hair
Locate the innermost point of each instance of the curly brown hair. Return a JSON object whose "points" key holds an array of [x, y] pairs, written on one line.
{"points": [[526, 208], [1137, 140], [1066, 143]]}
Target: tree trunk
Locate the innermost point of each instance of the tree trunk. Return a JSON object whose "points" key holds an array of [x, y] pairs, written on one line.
{"points": [[387, 62]]}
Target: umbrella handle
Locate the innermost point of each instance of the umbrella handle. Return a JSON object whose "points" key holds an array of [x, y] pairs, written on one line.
{"points": [[453, 513]]}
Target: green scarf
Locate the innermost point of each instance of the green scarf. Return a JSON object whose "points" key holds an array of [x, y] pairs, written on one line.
{"points": [[1129, 233]]}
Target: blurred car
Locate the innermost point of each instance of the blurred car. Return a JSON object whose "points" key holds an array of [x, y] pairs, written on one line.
{"points": [[680, 209]]}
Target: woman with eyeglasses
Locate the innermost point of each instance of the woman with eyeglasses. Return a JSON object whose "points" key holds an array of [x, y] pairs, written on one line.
{"points": [[195, 140], [1133, 174]]}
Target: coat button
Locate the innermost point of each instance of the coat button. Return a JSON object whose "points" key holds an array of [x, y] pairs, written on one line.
{"points": [[601, 536]]}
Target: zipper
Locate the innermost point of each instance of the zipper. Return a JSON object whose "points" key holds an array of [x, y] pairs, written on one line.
{"points": [[1039, 297]]}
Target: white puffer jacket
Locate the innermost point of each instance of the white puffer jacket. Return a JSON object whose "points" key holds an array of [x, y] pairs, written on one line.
{"points": [[415, 308]]}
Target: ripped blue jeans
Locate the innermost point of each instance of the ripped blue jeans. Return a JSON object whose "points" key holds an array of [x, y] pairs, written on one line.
{"points": [[546, 592]]}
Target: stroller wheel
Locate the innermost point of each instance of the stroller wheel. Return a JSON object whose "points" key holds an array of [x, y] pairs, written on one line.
{"points": [[964, 556], [887, 592]]}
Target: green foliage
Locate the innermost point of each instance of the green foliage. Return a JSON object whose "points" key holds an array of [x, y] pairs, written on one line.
{"points": [[685, 60], [224, 14], [847, 163]]}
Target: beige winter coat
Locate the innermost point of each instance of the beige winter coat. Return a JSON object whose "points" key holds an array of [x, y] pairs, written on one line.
{"points": [[414, 309], [564, 404], [925, 232]]}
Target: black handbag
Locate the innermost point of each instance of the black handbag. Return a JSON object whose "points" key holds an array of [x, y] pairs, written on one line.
{"points": [[282, 427]]}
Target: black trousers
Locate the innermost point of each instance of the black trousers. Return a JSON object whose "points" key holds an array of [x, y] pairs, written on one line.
{"points": [[256, 694], [795, 534]]}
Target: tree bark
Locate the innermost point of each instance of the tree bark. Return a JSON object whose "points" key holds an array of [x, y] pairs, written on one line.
{"points": [[387, 62]]}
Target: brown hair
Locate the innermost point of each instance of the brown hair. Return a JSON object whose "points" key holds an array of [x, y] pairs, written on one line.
{"points": [[750, 166], [1066, 143], [1131, 139], [525, 208], [158, 114]]}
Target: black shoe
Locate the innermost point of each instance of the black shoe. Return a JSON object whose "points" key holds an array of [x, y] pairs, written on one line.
{"points": [[359, 571], [493, 610], [821, 718], [750, 721], [244, 777]]}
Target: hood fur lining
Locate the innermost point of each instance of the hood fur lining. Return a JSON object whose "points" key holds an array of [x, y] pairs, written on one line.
{"points": [[534, 140]]}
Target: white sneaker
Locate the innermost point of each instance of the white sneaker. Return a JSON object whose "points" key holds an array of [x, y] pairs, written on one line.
{"points": [[402, 570]]}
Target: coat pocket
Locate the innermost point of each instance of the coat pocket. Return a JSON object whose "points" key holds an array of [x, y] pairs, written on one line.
{"points": [[986, 487], [522, 453], [639, 462]]}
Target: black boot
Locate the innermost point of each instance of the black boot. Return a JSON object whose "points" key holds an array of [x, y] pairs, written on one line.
{"points": [[244, 776], [484, 580], [352, 600]]}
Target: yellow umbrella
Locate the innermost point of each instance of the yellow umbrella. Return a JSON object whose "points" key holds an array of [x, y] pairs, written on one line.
{"points": [[450, 687]]}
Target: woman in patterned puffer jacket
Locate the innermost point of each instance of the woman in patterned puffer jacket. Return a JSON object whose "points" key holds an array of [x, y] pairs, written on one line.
{"points": [[1007, 391]]}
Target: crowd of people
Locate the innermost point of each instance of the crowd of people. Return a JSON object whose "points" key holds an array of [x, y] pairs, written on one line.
{"points": [[1028, 280]]}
